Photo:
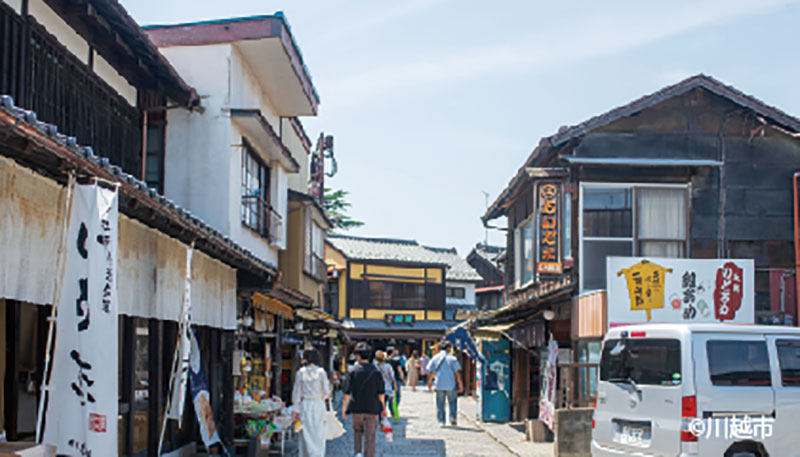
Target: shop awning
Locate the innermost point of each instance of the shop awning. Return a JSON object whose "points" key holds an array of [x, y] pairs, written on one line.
{"points": [[273, 306], [318, 316], [492, 332]]}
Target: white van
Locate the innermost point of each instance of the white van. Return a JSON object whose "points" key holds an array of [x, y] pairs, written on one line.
{"points": [[709, 390]]}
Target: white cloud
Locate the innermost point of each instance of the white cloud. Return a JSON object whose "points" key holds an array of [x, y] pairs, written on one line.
{"points": [[612, 33]]}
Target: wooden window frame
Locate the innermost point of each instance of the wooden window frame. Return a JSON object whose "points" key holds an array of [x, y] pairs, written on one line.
{"points": [[634, 238]]}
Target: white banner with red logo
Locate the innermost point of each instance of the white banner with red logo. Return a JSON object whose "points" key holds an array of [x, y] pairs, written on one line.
{"points": [[664, 290], [547, 402], [81, 418]]}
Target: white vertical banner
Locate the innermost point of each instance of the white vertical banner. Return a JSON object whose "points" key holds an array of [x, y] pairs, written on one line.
{"points": [[81, 418], [180, 368], [547, 407]]}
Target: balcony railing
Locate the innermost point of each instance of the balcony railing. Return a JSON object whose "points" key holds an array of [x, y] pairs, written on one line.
{"points": [[261, 217], [316, 267]]}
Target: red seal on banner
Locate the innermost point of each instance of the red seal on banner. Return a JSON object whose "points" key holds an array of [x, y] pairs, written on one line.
{"points": [[97, 423], [728, 291]]}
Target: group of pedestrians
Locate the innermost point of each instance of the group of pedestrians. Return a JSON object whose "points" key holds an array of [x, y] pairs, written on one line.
{"points": [[370, 386]]}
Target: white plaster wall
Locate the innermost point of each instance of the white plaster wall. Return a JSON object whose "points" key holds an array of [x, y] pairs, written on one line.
{"points": [[109, 74], [17, 6], [245, 92], [280, 201], [297, 181], [198, 159], [204, 155], [257, 244], [469, 293], [65, 34]]}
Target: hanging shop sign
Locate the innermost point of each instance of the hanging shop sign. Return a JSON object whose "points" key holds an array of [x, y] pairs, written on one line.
{"points": [[198, 384], [642, 290], [548, 239], [81, 418], [547, 402]]}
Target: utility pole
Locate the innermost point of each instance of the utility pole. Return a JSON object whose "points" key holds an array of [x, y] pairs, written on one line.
{"points": [[486, 229]]}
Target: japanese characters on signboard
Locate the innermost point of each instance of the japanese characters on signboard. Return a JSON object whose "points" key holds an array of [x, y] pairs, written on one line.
{"points": [[642, 290], [548, 239], [81, 417]]}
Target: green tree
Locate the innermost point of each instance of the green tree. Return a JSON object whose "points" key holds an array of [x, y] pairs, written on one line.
{"points": [[336, 207]]}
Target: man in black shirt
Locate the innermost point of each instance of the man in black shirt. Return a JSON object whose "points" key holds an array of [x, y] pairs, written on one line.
{"points": [[364, 385]]}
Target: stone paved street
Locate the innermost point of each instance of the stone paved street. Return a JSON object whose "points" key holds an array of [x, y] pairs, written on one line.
{"points": [[417, 434]]}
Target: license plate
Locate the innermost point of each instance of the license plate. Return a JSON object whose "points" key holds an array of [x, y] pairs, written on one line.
{"points": [[631, 435]]}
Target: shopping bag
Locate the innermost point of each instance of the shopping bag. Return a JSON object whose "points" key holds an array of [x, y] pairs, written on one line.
{"points": [[395, 412], [333, 428]]}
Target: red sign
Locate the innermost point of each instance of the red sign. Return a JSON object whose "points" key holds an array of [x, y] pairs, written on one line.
{"points": [[728, 293], [97, 423]]}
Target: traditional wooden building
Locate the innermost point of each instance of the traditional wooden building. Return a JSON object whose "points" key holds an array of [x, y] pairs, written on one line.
{"points": [[388, 289], [696, 170], [486, 260]]}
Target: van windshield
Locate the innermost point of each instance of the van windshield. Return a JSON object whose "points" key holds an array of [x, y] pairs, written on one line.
{"points": [[648, 361]]}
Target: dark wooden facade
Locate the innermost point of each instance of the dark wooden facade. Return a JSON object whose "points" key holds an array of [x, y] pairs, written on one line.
{"points": [[734, 156]]}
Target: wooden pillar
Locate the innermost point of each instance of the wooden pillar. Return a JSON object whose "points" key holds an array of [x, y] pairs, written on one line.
{"points": [[228, 343], [520, 392], [278, 357], [155, 378], [11, 384], [214, 370]]}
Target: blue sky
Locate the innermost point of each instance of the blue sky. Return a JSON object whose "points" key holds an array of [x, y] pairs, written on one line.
{"points": [[434, 101]]}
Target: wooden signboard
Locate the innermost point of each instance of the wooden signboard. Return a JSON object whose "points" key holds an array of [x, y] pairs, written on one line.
{"points": [[548, 239]]}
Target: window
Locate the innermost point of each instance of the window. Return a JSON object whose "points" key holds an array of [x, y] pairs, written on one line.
{"points": [[626, 220], [314, 248], [397, 295], [566, 227], [789, 358], [256, 210], [644, 361], [154, 165], [455, 292], [523, 240], [738, 363]]}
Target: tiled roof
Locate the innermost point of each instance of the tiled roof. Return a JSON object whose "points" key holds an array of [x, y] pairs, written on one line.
{"points": [[358, 248], [489, 253], [18, 121], [458, 268]]}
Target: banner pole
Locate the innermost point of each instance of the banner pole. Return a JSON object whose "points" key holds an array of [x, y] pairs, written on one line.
{"points": [[56, 296], [169, 400]]}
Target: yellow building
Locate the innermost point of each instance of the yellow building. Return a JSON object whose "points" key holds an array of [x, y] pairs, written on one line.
{"points": [[387, 289]]}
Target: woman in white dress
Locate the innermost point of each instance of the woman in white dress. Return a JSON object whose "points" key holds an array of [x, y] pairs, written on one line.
{"points": [[311, 389]]}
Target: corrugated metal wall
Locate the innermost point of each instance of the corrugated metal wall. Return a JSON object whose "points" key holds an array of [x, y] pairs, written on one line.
{"points": [[31, 221]]}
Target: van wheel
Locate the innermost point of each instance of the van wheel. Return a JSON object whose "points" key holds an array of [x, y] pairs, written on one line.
{"points": [[746, 449]]}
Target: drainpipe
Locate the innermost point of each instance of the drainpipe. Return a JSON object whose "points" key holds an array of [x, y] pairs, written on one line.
{"points": [[144, 146], [796, 247]]}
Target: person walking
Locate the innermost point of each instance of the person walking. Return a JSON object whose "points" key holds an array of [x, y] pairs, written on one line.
{"points": [[444, 373], [412, 368], [311, 389], [364, 386], [389, 381], [399, 368], [423, 368]]}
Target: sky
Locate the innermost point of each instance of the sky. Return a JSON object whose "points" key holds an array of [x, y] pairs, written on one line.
{"points": [[436, 103]]}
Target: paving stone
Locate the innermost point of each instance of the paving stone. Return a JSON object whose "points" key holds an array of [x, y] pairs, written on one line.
{"points": [[418, 434]]}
